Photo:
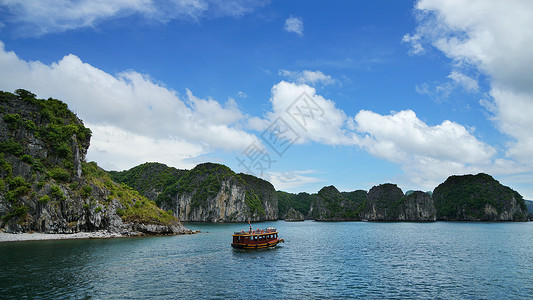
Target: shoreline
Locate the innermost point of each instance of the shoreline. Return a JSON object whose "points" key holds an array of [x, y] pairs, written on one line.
{"points": [[37, 236], [102, 234]]}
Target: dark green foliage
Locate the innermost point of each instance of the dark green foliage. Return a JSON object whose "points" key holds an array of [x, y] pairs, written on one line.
{"points": [[203, 183], [59, 174], [91, 169], [25, 95], [56, 192], [10, 146], [55, 133], [30, 125], [12, 120], [300, 202], [48, 120], [465, 197], [254, 203], [73, 186], [27, 159], [5, 167], [86, 191], [44, 199], [18, 210], [529, 206], [331, 205], [148, 178], [16, 187]]}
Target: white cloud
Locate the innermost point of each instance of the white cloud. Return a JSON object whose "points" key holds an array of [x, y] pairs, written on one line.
{"points": [[37, 17], [308, 77], [428, 154], [310, 115], [292, 181], [118, 149], [466, 82], [294, 24], [129, 104], [494, 38]]}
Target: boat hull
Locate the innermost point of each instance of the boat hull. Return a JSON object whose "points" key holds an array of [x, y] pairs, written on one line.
{"points": [[268, 244]]}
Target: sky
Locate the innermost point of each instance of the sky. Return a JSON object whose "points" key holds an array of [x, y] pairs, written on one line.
{"points": [[304, 94]]}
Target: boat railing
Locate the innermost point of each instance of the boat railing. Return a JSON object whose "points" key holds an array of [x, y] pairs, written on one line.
{"points": [[257, 231]]}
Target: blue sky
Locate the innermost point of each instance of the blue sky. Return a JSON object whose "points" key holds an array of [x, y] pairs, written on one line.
{"points": [[408, 92]]}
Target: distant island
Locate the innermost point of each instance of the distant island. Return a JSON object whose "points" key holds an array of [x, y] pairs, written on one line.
{"points": [[47, 186]]}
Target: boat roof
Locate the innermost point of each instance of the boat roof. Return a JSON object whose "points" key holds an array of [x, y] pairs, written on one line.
{"points": [[269, 230]]}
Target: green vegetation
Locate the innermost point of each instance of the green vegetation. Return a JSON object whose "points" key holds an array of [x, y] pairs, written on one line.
{"points": [[59, 174], [44, 199], [49, 120], [12, 147], [148, 178], [465, 197], [18, 210], [55, 133], [136, 208], [300, 202], [204, 182]]}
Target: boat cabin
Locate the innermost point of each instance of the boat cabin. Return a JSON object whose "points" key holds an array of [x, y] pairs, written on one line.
{"points": [[256, 239]]}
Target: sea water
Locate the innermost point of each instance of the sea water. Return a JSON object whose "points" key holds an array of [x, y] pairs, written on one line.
{"points": [[447, 260]]}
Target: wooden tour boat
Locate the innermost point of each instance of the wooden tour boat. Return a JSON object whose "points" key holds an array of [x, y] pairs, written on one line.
{"points": [[256, 239]]}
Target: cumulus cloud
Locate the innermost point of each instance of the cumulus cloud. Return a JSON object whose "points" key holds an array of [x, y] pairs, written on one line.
{"points": [[428, 154], [294, 24], [36, 17], [131, 107], [493, 37], [308, 77], [309, 115], [292, 181], [465, 81]]}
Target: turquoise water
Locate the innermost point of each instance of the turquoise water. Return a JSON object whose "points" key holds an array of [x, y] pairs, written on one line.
{"points": [[445, 260]]}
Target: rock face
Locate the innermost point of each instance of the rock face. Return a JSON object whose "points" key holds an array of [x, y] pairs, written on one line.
{"points": [[383, 203], [300, 202], [460, 198], [331, 205], [149, 179], [478, 198], [208, 193], [417, 207], [46, 185], [294, 216]]}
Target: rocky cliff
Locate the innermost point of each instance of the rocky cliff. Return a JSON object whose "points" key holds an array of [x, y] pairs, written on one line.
{"points": [[417, 207], [478, 198], [149, 179], [294, 216], [208, 193], [300, 202], [460, 198], [384, 202], [46, 185], [387, 202], [331, 205]]}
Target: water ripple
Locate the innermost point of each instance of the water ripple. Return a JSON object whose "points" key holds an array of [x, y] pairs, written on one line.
{"points": [[318, 261]]}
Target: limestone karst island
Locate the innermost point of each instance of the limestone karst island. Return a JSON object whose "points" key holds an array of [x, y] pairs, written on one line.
{"points": [[47, 186]]}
